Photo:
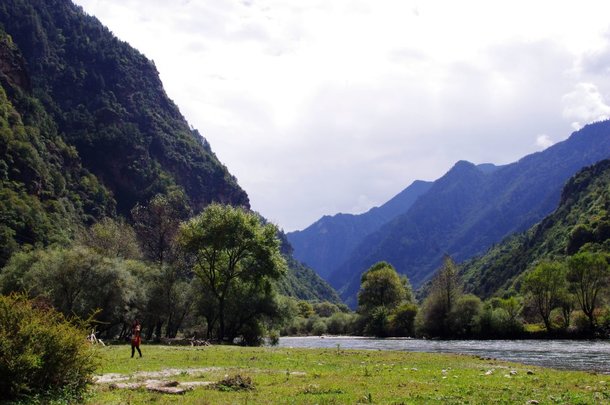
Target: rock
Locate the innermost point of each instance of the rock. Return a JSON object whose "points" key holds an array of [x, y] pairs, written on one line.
{"points": [[168, 390], [489, 372], [513, 372], [530, 372], [532, 401]]}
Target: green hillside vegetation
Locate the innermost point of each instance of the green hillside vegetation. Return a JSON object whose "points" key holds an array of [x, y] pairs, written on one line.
{"points": [[581, 221], [45, 192], [107, 100]]}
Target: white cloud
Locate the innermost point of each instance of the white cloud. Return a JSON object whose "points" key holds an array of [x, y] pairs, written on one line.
{"points": [[544, 141], [324, 106], [585, 104]]}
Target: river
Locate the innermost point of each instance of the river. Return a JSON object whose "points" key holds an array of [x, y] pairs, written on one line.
{"points": [[588, 355]]}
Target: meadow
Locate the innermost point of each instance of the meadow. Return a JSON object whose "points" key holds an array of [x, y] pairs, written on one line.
{"points": [[272, 375]]}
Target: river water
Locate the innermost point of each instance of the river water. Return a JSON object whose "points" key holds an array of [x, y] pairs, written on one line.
{"points": [[588, 355]]}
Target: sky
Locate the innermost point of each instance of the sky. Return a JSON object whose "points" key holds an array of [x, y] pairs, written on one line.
{"points": [[327, 106]]}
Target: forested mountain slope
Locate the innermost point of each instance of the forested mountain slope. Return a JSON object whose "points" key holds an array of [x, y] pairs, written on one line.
{"points": [[45, 193], [108, 101], [87, 131], [581, 218], [469, 209], [328, 242]]}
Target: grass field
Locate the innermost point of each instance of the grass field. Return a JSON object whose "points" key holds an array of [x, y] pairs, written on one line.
{"points": [[337, 376]]}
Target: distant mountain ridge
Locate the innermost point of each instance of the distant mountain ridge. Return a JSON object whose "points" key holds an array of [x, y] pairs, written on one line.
{"points": [[583, 217], [469, 209], [327, 243]]}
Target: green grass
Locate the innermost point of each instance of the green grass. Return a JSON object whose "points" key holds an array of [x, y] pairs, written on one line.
{"points": [[335, 376]]}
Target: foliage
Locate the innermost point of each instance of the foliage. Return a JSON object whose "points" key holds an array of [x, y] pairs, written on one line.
{"points": [[588, 275], [107, 100], [464, 318], [303, 283], [45, 193], [402, 320], [545, 284], [41, 354], [382, 299], [157, 223], [112, 238], [381, 286], [78, 282], [434, 317], [235, 258], [583, 210]]}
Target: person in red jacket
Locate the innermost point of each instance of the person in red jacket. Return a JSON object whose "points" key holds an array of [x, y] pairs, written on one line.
{"points": [[135, 337]]}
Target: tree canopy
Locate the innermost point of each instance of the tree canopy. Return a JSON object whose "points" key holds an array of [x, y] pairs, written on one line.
{"points": [[232, 251]]}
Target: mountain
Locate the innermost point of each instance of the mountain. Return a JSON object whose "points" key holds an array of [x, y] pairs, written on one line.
{"points": [[301, 281], [581, 218], [469, 209], [107, 101], [330, 241], [45, 192], [87, 131]]}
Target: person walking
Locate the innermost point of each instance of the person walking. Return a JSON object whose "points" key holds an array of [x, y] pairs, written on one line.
{"points": [[135, 337]]}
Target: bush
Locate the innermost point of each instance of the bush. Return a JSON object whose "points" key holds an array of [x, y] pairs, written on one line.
{"points": [[43, 353], [318, 328], [402, 320]]}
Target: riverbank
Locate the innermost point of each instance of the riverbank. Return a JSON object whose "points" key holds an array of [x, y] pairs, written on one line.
{"points": [[332, 376]]}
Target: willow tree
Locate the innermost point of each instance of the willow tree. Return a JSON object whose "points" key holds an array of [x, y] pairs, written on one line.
{"points": [[232, 250]]}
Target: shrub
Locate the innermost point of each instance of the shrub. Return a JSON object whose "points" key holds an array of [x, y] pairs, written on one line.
{"points": [[44, 354], [402, 320], [318, 328], [274, 338], [337, 324]]}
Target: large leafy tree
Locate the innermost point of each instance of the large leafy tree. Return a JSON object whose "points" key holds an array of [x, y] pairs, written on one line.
{"points": [[545, 284], [381, 286], [232, 250], [384, 300], [588, 275], [79, 282]]}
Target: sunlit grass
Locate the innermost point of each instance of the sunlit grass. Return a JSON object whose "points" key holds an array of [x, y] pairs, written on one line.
{"points": [[336, 376]]}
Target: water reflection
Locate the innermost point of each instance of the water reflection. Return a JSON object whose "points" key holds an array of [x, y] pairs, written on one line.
{"points": [[563, 354]]}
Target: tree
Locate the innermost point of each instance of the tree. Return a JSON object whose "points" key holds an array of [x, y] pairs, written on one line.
{"points": [[79, 282], [112, 238], [465, 314], [445, 290], [382, 292], [402, 319], [545, 285], [157, 224], [588, 275], [231, 250], [381, 286]]}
